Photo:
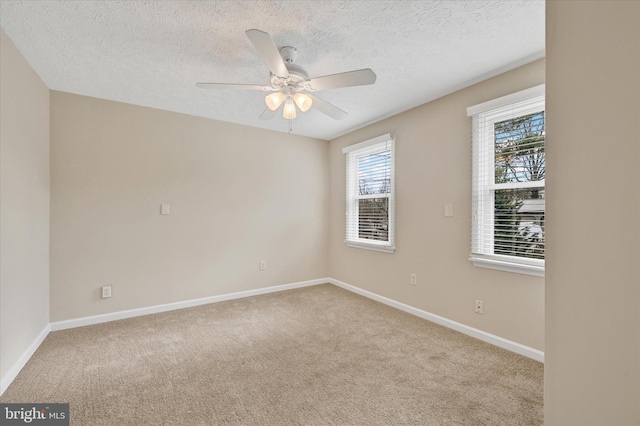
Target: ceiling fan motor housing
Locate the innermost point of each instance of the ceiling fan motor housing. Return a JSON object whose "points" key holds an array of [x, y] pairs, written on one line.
{"points": [[297, 76], [289, 54]]}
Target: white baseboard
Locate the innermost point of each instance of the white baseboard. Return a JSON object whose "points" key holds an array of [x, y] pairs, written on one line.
{"points": [[113, 316], [518, 348], [464, 329], [6, 380]]}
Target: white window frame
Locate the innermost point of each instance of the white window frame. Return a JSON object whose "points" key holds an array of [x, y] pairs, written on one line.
{"points": [[484, 115], [353, 153]]}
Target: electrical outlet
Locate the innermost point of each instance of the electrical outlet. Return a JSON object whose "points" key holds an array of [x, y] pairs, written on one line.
{"points": [[106, 291], [413, 279], [479, 309], [263, 265]]}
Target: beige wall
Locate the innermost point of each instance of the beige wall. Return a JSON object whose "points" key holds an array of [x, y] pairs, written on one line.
{"points": [[237, 194], [433, 168], [592, 369], [24, 205]]}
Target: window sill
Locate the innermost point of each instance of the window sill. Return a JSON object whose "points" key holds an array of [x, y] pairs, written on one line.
{"points": [[508, 264], [371, 246]]}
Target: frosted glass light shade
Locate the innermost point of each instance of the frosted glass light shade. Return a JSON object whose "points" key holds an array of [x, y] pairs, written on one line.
{"points": [[274, 100], [289, 110], [303, 101]]}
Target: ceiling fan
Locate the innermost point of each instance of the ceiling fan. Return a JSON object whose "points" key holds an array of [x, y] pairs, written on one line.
{"points": [[290, 83]]}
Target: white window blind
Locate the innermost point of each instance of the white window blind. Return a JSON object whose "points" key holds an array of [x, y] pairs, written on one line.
{"points": [[508, 189], [370, 194]]}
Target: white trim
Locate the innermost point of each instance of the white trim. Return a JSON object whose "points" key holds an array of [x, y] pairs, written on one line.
{"points": [[484, 187], [526, 95], [385, 248], [353, 153], [517, 185], [509, 345], [114, 316], [369, 142], [503, 343], [15, 369], [10, 375], [484, 261]]}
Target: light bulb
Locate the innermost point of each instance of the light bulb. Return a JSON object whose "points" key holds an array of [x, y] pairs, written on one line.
{"points": [[289, 110], [274, 100], [303, 101]]}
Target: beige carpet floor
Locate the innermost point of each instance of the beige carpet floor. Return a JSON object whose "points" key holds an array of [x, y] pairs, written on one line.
{"points": [[313, 356]]}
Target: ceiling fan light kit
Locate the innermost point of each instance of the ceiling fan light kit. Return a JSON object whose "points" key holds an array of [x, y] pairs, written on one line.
{"points": [[289, 110], [274, 100], [303, 101], [289, 81]]}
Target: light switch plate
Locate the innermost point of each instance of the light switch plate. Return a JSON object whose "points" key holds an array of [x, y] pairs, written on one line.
{"points": [[165, 209], [448, 210]]}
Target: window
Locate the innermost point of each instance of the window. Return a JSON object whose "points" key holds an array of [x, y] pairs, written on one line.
{"points": [[370, 194], [508, 183]]}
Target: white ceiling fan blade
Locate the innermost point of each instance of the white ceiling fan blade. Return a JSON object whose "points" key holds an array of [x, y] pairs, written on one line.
{"points": [[345, 79], [269, 51], [235, 86], [327, 108], [267, 114]]}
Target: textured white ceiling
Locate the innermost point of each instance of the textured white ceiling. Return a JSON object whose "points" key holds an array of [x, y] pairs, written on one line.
{"points": [[152, 53]]}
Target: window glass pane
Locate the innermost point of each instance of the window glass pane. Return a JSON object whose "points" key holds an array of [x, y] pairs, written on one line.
{"points": [[519, 222], [374, 173], [373, 219], [519, 149]]}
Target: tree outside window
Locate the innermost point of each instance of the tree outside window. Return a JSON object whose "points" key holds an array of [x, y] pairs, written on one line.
{"points": [[519, 213]]}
